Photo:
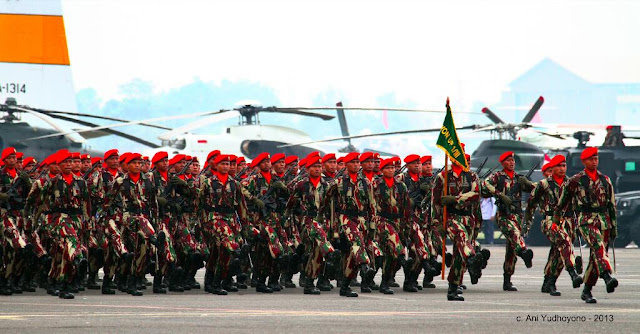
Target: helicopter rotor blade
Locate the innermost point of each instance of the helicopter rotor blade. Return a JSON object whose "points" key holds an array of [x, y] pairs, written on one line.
{"points": [[342, 119], [47, 119], [375, 135], [534, 109], [297, 111], [493, 117], [99, 117], [207, 120], [383, 109]]}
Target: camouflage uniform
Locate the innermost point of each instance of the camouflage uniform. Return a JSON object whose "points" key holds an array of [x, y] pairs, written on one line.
{"points": [[165, 253], [464, 187], [309, 199], [432, 237], [510, 220], [595, 204], [223, 208]]}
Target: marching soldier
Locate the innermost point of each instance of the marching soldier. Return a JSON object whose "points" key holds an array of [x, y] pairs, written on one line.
{"points": [[507, 186], [592, 193], [545, 195], [367, 162]]}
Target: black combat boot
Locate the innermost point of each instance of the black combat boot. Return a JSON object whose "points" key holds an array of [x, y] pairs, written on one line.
{"points": [[5, 290], [323, 284], [527, 257], [552, 286], [261, 285], [65, 292], [408, 285], [208, 281], [579, 264], [25, 281], [575, 278], [229, 285], [175, 274], [301, 279], [122, 282], [452, 293], [427, 282], [486, 254], [51, 287], [610, 281], [507, 285], [106, 286], [132, 286], [474, 264], [13, 284], [157, 284], [241, 281], [384, 286], [367, 273], [216, 286], [545, 285], [586, 295], [436, 265], [309, 288], [91, 282], [345, 290], [448, 258], [273, 283], [429, 269]]}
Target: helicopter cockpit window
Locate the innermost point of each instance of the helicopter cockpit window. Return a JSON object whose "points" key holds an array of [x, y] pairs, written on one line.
{"points": [[179, 144]]}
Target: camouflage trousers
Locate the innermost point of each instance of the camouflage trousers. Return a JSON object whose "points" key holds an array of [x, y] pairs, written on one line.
{"points": [[561, 252], [115, 245], [139, 230], [268, 249], [182, 239], [65, 247], [168, 256], [317, 245], [220, 232], [356, 255], [457, 230], [598, 241], [510, 226], [391, 244], [12, 242]]}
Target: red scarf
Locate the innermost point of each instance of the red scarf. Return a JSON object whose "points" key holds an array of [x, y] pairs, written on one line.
{"points": [[314, 181], [222, 177], [331, 175], [369, 175], [68, 178], [456, 169], [164, 175], [389, 181], [51, 176], [280, 175], [12, 172], [427, 174], [414, 177], [353, 176], [113, 172], [134, 177], [510, 173], [267, 176], [78, 173], [592, 175], [559, 180]]}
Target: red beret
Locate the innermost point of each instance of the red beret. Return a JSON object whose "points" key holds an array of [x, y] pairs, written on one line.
{"points": [[313, 154], [588, 153], [276, 157], [76, 155], [328, 157], [47, 161], [27, 161], [110, 153], [386, 162], [188, 157], [341, 159], [312, 161], [545, 167], [366, 155], [54, 157], [85, 157], [425, 159], [376, 156], [506, 155], [7, 152], [395, 159], [609, 127], [62, 156], [123, 157], [411, 158], [159, 156], [240, 159], [95, 160], [145, 158], [19, 155], [195, 159], [213, 154], [302, 162], [257, 160], [558, 159], [220, 158], [290, 159], [232, 158], [177, 158], [351, 156], [468, 157], [133, 156]]}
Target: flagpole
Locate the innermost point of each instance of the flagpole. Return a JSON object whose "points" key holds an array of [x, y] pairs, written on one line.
{"points": [[444, 209]]}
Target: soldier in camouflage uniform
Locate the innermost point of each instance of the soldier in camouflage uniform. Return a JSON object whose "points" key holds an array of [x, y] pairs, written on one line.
{"points": [[507, 186], [432, 237], [593, 195], [355, 208], [367, 161], [462, 194], [140, 216], [14, 188], [545, 195], [223, 211], [68, 206], [308, 195]]}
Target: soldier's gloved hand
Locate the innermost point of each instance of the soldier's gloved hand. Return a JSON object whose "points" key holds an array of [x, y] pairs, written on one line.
{"points": [[279, 185], [424, 186], [449, 200], [162, 201], [178, 182], [4, 197], [505, 199], [524, 182], [258, 203]]}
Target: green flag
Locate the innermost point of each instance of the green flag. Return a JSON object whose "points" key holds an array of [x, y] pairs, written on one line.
{"points": [[448, 140]]}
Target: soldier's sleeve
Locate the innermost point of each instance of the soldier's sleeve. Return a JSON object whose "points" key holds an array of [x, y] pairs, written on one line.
{"points": [[566, 196], [33, 197], [242, 204], [372, 201], [86, 201], [204, 189], [491, 185], [248, 188], [473, 195], [611, 203], [406, 209], [536, 194], [113, 193], [294, 198], [436, 200]]}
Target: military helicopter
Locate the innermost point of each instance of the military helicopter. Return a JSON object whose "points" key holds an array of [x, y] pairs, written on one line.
{"points": [[17, 133]]}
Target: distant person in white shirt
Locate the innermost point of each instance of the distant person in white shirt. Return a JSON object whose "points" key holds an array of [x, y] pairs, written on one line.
{"points": [[488, 207]]}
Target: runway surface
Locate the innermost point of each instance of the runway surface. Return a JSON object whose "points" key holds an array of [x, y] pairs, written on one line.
{"points": [[487, 309]]}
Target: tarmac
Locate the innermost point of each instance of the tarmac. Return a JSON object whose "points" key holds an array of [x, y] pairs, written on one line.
{"points": [[486, 309]]}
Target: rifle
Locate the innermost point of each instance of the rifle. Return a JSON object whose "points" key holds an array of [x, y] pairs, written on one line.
{"points": [[516, 188], [489, 172], [341, 172], [239, 174], [401, 170], [481, 165], [12, 191], [169, 188], [88, 172]]}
